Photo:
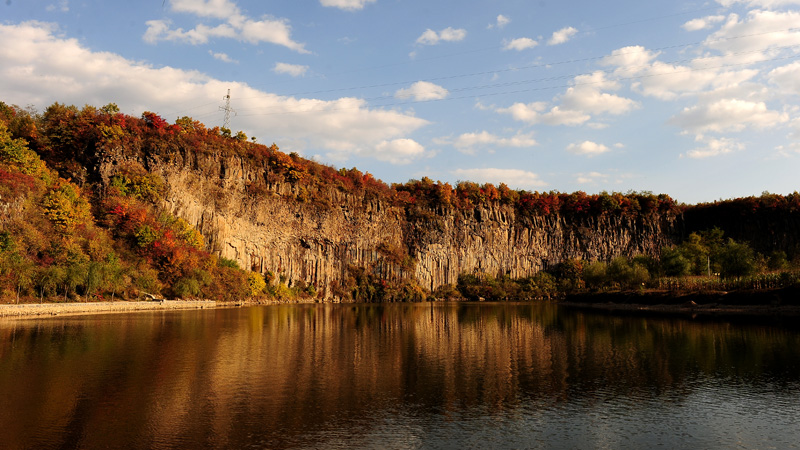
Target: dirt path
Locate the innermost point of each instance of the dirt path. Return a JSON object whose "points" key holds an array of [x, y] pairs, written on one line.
{"points": [[55, 309]]}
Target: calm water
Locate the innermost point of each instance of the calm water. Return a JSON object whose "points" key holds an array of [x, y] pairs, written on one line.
{"points": [[396, 376]]}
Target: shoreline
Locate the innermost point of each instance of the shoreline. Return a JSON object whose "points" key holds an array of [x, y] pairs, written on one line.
{"points": [[691, 310], [783, 302], [44, 310]]}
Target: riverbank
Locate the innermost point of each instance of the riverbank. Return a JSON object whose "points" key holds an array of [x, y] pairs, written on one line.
{"points": [[778, 302], [57, 309]]}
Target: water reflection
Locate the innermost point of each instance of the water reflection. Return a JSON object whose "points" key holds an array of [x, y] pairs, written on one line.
{"points": [[395, 376]]}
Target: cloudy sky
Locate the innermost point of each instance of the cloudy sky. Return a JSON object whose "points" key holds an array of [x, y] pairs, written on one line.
{"points": [[699, 100]]}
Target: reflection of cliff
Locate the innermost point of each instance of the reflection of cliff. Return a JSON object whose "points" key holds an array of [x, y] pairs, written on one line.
{"points": [[278, 374]]}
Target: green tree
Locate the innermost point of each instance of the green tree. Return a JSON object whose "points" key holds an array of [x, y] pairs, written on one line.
{"points": [[114, 273], [627, 273], [595, 274], [673, 263], [777, 261], [48, 279], [95, 277], [736, 260], [20, 270], [110, 109], [15, 153], [74, 276], [696, 253]]}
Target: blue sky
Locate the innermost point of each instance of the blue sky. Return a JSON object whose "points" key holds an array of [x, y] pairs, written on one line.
{"points": [[699, 100]]}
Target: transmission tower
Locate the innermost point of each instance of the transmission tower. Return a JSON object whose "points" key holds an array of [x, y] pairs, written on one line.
{"points": [[228, 110]]}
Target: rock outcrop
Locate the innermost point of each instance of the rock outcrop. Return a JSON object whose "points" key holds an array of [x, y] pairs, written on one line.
{"points": [[267, 224]]}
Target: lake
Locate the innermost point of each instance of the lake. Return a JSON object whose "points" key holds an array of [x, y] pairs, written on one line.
{"points": [[397, 376]]}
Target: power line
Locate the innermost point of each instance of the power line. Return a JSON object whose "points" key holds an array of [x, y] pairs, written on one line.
{"points": [[651, 75], [531, 66], [227, 108], [449, 55]]}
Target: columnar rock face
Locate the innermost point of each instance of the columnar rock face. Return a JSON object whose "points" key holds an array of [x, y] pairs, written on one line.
{"points": [[494, 240], [317, 236]]}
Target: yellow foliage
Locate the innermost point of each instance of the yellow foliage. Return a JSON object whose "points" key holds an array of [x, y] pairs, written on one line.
{"points": [[15, 153], [65, 207], [255, 283]]}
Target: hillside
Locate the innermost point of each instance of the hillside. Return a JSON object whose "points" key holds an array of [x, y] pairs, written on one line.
{"points": [[98, 204]]}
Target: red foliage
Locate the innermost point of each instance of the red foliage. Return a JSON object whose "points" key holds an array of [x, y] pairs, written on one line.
{"points": [[153, 120], [18, 183]]}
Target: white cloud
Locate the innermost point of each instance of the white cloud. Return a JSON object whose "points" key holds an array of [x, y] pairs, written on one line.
{"points": [[422, 91], [702, 23], [632, 58], [501, 22], [756, 36], [534, 113], [587, 148], [578, 103], [347, 5], [218, 9], [449, 34], [236, 26], [222, 57], [591, 178], [519, 44], [39, 68], [787, 78], [561, 36], [159, 30], [63, 6], [713, 147], [513, 177], [727, 115], [760, 3], [586, 96], [294, 70], [667, 81], [603, 179], [467, 142], [399, 151]]}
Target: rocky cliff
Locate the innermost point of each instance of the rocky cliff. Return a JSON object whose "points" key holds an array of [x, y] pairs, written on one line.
{"points": [[249, 214]]}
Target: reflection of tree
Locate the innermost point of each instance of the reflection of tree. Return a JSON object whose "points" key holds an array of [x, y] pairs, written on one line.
{"points": [[227, 377]]}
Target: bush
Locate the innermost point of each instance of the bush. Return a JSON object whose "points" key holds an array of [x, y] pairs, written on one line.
{"points": [[595, 275]]}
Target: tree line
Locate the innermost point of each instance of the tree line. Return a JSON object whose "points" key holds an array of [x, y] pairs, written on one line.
{"points": [[65, 235]]}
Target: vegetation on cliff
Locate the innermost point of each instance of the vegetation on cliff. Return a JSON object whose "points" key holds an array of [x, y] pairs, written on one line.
{"points": [[69, 232], [704, 262]]}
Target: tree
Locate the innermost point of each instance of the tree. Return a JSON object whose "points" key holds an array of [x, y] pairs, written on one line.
{"points": [[777, 261], [21, 272], [595, 274], [256, 283], [736, 260], [48, 280], [75, 275], [95, 277], [673, 264], [627, 273], [110, 109], [696, 253]]}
